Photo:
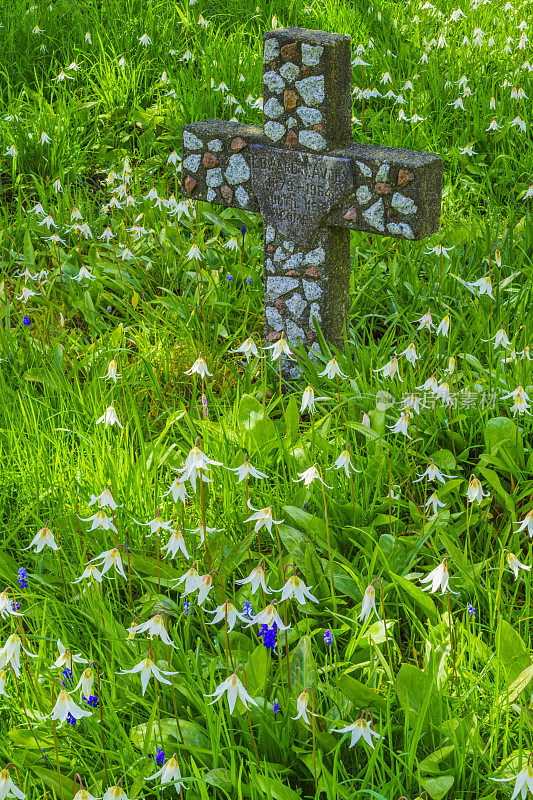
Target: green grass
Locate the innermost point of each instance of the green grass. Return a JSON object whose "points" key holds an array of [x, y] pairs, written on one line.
{"points": [[450, 693]]}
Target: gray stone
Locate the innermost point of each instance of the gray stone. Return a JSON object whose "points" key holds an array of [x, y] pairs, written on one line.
{"points": [[291, 123], [280, 255], [403, 204], [279, 285], [274, 130], [288, 246], [375, 214], [293, 262], [274, 318], [213, 177], [314, 311], [270, 50], [315, 257], [269, 265], [312, 139], [296, 305], [311, 90], [274, 82], [242, 196], [215, 145], [211, 194], [273, 108], [294, 332], [382, 175], [289, 71], [400, 229], [366, 172], [312, 290], [192, 162], [309, 116], [270, 233], [364, 195], [311, 55], [191, 141], [238, 170]]}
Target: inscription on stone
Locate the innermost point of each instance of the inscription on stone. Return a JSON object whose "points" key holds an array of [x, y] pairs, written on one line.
{"points": [[296, 191]]}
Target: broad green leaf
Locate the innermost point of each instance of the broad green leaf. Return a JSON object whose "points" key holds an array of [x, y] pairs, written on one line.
{"points": [[257, 669], [501, 435], [412, 687], [517, 686], [360, 695], [251, 422], [307, 522], [146, 735], [303, 666], [511, 651], [220, 778], [29, 252], [444, 459], [432, 763], [437, 788], [237, 553], [415, 593], [292, 419], [314, 573], [272, 788], [50, 780], [394, 552]]}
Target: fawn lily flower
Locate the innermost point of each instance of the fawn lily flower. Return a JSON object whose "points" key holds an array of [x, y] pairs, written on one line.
{"points": [[228, 612], [175, 543], [86, 682], [411, 354], [332, 370], [177, 490], [475, 490], [440, 250], [515, 565], [169, 773], [83, 794], [308, 400], [431, 385], [26, 294], [450, 369], [202, 532], [309, 476], [191, 579], [443, 326], [154, 627], [7, 787], [147, 668], [434, 502], [10, 653], [100, 520], [66, 658], [205, 584], [267, 616], [105, 498], [42, 538], [234, 689], [483, 284], [247, 469], [360, 728], [111, 371], [518, 392], [115, 793], [369, 604], [402, 424], [438, 578], [344, 462], [196, 461], [64, 706], [248, 348], [391, 369], [90, 571], [3, 680], [520, 406], [412, 401], [110, 417], [425, 321], [262, 517], [523, 784], [301, 707], [6, 606], [199, 367], [433, 473], [257, 579], [145, 40], [280, 348], [156, 525], [500, 338], [110, 558], [527, 522], [295, 587]]}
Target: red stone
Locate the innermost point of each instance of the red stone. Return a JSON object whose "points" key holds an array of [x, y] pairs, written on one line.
{"points": [[405, 176], [273, 65], [226, 193], [320, 127], [292, 139], [209, 160], [382, 188], [238, 144], [305, 71], [289, 50], [290, 98], [273, 336], [271, 248], [190, 184], [292, 273], [312, 272], [310, 335], [281, 305], [351, 215]]}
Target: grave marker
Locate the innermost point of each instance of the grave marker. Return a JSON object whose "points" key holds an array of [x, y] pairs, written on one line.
{"points": [[310, 182]]}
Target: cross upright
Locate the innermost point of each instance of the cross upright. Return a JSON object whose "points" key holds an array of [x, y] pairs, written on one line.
{"points": [[310, 182]]}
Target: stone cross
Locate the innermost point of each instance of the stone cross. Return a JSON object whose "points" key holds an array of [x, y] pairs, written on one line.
{"points": [[310, 182]]}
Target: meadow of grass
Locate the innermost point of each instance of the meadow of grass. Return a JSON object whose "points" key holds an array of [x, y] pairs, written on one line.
{"points": [[112, 288]]}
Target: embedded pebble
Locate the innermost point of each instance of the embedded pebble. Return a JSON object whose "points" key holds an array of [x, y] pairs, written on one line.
{"points": [[269, 265], [289, 71], [364, 195], [296, 305], [311, 55], [374, 215], [238, 170], [309, 116], [315, 257], [280, 254], [366, 171], [314, 312], [312, 139], [274, 130], [273, 81], [270, 50], [292, 123], [312, 90], [294, 332], [213, 177], [211, 194], [270, 232], [242, 196], [273, 108], [192, 162], [278, 285], [403, 204], [274, 318], [383, 173], [192, 142], [215, 145], [288, 246], [312, 290], [400, 229]]}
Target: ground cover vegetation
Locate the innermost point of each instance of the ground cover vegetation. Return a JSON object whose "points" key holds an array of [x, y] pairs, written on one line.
{"points": [[215, 583]]}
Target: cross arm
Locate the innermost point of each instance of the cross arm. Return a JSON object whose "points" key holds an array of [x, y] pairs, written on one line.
{"points": [[396, 192], [216, 165]]}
